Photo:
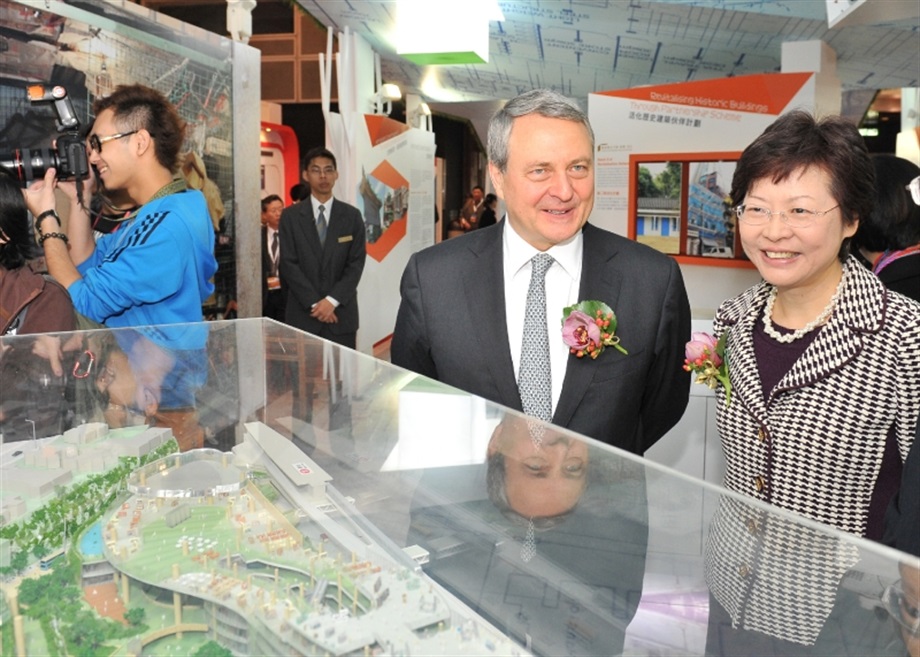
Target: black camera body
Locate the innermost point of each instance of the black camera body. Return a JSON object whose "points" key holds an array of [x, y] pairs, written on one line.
{"points": [[68, 157]]}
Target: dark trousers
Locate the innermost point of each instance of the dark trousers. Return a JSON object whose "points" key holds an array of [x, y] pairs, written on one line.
{"points": [[273, 304]]}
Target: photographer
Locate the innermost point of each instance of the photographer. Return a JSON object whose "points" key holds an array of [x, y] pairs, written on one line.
{"points": [[156, 268]]}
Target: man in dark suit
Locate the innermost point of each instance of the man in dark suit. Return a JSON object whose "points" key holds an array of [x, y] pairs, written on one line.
{"points": [[322, 256], [272, 293], [451, 328]]}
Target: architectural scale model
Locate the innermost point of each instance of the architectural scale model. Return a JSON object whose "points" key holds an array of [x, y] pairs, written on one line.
{"points": [[252, 549]]}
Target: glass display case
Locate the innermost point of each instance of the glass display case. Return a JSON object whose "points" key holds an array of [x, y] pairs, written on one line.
{"points": [[247, 484]]}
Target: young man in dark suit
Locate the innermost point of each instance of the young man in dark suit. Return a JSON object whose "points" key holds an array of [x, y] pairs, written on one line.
{"points": [[541, 160], [322, 256]]}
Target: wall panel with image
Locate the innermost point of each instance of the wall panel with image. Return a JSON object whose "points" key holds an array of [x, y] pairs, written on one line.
{"points": [[680, 204]]}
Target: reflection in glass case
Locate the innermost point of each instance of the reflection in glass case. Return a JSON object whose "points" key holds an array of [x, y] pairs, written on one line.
{"points": [[247, 488]]}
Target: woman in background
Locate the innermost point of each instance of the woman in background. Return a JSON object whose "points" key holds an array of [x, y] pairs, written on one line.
{"points": [[889, 237]]}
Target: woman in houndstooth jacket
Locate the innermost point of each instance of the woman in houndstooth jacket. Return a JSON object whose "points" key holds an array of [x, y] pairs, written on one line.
{"points": [[824, 365]]}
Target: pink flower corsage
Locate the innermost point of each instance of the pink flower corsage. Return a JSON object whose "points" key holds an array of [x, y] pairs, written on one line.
{"points": [[707, 357], [589, 327]]}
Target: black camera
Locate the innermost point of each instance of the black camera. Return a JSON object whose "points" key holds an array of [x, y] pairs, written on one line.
{"points": [[68, 156]]}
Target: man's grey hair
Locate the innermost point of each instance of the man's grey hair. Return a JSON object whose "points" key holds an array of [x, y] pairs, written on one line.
{"points": [[544, 102]]}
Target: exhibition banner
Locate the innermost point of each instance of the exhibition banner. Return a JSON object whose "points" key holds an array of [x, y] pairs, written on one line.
{"points": [[395, 194], [693, 117]]}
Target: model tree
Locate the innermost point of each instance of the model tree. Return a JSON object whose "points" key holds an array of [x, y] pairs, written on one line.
{"points": [[19, 561], [136, 616], [212, 649]]}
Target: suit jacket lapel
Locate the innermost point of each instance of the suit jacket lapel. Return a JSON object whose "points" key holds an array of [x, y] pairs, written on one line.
{"points": [[600, 280], [747, 388], [833, 347], [487, 309], [860, 309]]}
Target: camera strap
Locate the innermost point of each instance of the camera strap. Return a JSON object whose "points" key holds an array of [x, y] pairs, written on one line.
{"points": [[174, 186]]}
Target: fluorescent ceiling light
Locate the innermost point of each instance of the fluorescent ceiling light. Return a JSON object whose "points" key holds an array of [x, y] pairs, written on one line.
{"points": [[442, 33]]}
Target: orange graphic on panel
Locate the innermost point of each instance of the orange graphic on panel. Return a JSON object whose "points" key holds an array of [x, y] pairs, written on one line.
{"points": [[763, 93], [394, 209]]}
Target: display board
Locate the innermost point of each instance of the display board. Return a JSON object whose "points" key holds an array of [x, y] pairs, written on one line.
{"points": [[701, 121]]}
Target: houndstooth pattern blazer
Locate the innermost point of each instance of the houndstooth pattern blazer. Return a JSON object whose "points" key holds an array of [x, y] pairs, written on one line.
{"points": [[814, 446]]}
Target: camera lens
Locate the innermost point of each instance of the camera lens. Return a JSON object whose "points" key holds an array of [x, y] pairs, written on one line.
{"points": [[27, 164]]}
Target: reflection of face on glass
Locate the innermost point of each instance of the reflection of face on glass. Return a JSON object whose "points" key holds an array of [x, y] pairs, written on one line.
{"points": [[125, 403], [903, 602], [536, 480], [130, 397]]}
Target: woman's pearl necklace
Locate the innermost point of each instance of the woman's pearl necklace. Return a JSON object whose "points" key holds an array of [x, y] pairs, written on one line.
{"points": [[786, 338]]}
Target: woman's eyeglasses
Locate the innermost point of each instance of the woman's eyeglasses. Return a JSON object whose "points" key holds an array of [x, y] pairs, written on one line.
{"points": [[754, 215]]}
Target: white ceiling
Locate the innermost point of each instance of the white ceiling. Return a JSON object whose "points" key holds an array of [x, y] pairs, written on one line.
{"points": [[580, 46]]}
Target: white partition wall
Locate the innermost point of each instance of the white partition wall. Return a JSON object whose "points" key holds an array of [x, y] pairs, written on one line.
{"points": [[387, 171]]}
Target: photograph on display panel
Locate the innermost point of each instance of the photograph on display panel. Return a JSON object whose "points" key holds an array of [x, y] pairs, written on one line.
{"points": [[710, 219], [657, 218], [680, 205]]}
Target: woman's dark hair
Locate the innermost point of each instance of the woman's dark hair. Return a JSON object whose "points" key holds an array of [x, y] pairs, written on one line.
{"points": [[797, 141], [490, 199], [18, 244], [894, 222]]}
